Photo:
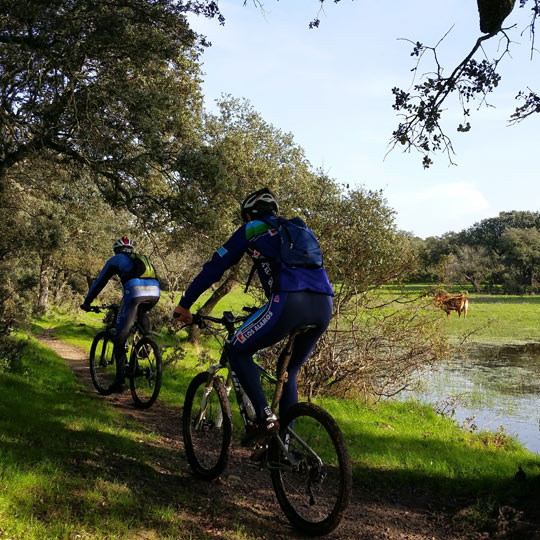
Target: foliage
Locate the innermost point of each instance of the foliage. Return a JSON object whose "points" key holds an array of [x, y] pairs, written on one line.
{"points": [[376, 351], [498, 251], [421, 108], [470, 264], [112, 87]]}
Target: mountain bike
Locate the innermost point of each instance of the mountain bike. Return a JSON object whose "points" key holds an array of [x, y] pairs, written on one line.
{"points": [[307, 458], [144, 368]]}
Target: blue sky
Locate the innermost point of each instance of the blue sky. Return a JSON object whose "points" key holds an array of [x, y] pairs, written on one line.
{"points": [[331, 88]]}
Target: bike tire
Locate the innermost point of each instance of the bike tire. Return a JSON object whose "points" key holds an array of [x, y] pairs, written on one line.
{"points": [[102, 364], [313, 494], [207, 428], [145, 372]]}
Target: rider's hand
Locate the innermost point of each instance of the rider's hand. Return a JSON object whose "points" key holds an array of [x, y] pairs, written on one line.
{"points": [[86, 307], [182, 315]]}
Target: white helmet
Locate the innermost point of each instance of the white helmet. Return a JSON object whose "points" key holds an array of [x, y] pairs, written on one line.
{"points": [[259, 203], [123, 245]]}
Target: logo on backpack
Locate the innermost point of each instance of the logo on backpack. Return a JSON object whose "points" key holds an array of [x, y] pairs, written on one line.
{"points": [[142, 267]]}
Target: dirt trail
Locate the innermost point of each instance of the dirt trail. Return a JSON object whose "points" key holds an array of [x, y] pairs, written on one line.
{"points": [[373, 513]]}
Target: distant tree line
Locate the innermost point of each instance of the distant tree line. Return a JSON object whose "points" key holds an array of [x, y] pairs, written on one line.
{"points": [[499, 254]]}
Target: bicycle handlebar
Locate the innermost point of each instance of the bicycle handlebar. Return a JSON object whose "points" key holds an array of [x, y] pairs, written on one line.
{"points": [[227, 319], [102, 307]]}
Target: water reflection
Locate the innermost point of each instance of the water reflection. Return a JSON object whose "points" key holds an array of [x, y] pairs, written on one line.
{"points": [[499, 386]]}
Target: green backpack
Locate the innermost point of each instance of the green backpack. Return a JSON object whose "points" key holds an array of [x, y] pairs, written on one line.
{"points": [[142, 267]]}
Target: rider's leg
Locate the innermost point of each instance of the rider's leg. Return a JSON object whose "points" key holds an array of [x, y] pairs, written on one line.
{"points": [[259, 331], [309, 308], [124, 322], [144, 320], [272, 323]]}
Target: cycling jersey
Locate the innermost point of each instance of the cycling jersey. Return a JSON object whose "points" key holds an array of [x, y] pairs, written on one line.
{"points": [[121, 265], [261, 242], [138, 295]]}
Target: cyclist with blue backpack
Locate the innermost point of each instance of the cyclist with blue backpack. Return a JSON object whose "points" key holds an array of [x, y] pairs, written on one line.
{"points": [[287, 258], [141, 293]]}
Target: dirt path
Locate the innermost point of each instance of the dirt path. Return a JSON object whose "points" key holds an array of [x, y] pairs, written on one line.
{"points": [[373, 513]]}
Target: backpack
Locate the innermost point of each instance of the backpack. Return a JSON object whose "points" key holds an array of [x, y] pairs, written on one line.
{"points": [[142, 267], [299, 247]]}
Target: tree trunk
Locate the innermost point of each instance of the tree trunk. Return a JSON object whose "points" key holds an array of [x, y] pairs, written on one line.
{"points": [[43, 296], [194, 334], [474, 282], [61, 282]]}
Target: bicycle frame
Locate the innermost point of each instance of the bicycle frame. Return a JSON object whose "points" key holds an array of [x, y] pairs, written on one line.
{"points": [[306, 456], [232, 381]]}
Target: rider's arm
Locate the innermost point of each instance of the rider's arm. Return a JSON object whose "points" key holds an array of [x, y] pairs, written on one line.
{"points": [[226, 256], [109, 270]]}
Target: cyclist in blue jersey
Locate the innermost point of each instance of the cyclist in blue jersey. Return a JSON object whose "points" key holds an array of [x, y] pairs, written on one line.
{"points": [[297, 296], [139, 294]]}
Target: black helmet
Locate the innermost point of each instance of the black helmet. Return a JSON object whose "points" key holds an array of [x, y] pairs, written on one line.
{"points": [[123, 245], [259, 203]]}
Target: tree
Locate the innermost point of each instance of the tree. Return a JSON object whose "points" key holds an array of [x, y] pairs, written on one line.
{"points": [[499, 250], [489, 231], [474, 264], [422, 108], [111, 86], [522, 253]]}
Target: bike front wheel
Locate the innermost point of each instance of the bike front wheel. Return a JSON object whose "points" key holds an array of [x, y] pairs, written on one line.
{"points": [[102, 365], [207, 426], [145, 372], [310, 469]]}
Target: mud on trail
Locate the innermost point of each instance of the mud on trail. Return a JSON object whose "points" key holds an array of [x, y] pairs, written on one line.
{"points": [[246, 497]]}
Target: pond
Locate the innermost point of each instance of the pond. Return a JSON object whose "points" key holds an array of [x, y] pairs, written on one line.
{"points": [[495, 386]]}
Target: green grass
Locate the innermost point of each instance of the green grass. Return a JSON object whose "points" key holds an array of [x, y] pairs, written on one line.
{"points": [[491, 320], [391, 436], [72, 467], [498, 320]]}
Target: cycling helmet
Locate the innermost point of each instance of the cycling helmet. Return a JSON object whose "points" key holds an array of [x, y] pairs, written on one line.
{"points": [[259, 203], [123, 245]]}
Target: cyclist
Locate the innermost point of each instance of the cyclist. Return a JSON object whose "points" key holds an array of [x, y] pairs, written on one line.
{"points": [[141, 293], [296, 296]]}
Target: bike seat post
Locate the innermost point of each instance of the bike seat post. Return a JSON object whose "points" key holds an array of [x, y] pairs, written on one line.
{"points": [[283, 375]]}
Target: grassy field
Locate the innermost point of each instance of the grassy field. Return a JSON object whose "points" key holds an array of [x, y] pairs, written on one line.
{"points": [[60, 447], [498, 320], [492, 319]]}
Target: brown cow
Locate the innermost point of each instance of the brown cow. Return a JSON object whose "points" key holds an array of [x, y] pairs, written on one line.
{"points": [[456, 302]]}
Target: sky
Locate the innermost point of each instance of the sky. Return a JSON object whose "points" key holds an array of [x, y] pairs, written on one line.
{"points": [[331, 88]]}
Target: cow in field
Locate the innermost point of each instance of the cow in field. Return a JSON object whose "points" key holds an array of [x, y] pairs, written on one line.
{"points": [[454, 302]]}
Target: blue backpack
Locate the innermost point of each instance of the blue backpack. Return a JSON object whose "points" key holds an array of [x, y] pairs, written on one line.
{"points": [[299, 247]]}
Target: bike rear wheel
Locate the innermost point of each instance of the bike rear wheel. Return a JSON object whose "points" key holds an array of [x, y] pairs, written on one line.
{"points": [[145, 372], [313, 482], [207, 426], [102, 364]]}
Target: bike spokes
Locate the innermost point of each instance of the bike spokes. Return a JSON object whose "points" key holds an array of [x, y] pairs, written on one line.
{"points": [[145, 372], [311, 470], [102, 364], [206, 426]]}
